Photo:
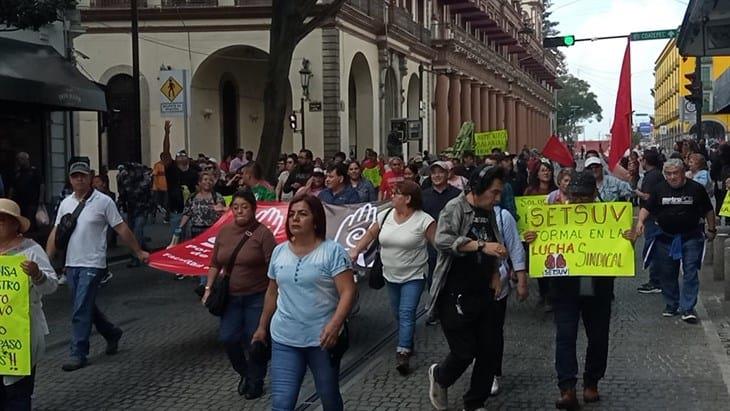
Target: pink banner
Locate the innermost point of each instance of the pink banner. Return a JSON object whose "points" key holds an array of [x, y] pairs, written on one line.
{"points": [[345, 224]]}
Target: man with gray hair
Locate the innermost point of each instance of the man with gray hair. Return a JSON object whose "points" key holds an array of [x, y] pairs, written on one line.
{"points": [[679, 206]]}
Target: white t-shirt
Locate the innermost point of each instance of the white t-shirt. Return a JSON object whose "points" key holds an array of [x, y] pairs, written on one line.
{"points": [[87, 246], [403, 246]]}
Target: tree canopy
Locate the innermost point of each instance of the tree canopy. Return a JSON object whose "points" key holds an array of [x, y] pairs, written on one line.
{"points": [[550, 29], [31, 14], [576, 103]]}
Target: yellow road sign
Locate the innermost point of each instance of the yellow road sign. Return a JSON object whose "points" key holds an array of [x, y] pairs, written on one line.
{"points": [[171, 88]]}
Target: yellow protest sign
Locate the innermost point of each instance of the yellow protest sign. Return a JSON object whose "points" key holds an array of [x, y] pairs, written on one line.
{"points": [[725, 209], [485, 142], [228, 199], [524, 204], [14, 317], [372, 175], [581, 240]]}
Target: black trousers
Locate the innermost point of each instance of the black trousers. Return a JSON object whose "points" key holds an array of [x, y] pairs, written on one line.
{"points": [[500, 312], [596, 313], [16, 397], [470, 335]]}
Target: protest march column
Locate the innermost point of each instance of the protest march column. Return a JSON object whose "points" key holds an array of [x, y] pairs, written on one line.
{"points": [[442, 112], [484, 105], [14, 317], [454, 106]]}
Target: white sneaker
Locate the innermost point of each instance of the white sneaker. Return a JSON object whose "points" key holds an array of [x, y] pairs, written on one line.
{"points": [[62, 279], [436, 393], [108, 276], [495, 385]]}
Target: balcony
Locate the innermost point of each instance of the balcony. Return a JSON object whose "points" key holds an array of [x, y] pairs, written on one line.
{"points": [[189, 3], [371, 8], [402, 19], [116, 4]]}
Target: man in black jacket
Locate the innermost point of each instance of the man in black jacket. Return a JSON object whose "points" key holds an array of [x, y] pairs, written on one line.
{"points": [[302, 172]]}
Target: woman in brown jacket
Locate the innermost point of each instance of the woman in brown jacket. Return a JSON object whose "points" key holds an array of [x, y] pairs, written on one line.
{"points": [[248, 284]]}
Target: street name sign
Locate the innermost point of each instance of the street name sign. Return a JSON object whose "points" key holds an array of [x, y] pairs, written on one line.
{"points": [[654, 35]]}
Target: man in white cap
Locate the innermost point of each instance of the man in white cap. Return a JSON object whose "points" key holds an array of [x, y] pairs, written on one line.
{"points": [[85, 263], [610, 188]]}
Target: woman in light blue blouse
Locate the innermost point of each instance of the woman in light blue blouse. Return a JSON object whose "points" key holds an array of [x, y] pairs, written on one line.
{"points": [[306, 305]]}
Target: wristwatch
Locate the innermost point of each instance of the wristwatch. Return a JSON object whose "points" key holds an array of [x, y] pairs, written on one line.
{"points": [[481, 244]]}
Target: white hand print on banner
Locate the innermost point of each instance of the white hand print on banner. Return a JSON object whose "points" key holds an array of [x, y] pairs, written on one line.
{"points": [[354, 226], [272, 218]]}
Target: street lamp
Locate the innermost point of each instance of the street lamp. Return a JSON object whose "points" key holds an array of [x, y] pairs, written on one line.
{"points": [[306, 74]]}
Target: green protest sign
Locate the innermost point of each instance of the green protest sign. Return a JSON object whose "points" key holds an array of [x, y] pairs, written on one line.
{"points": [[581, 240], [14, 317], [485, 142]]}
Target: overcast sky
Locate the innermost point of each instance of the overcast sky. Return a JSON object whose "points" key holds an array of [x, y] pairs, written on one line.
{"points": [[599, 62]]}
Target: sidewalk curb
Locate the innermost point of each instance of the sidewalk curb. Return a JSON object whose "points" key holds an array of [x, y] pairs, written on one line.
{"points": [[714, 343]]}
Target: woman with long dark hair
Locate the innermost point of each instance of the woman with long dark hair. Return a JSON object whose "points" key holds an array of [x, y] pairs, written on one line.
{"points": [[312, 292], [541, 181]]}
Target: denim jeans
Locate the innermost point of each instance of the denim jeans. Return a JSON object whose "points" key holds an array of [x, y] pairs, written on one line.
{"points": [[288, 365], [175, 223], [84, 285], [692, 250], [17, 397], [238, 323], [650, 230], [596, 313], [404, 298]]}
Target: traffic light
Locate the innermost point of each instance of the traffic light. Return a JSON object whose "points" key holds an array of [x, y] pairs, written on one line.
{"points": [[562, 41], [293, 120], [694, 87]]}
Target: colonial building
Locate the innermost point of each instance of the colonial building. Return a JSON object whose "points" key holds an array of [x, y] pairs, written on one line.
{"points": [[675, 117], [438, 61]]}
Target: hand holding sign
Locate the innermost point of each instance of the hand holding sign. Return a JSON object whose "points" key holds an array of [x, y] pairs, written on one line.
{"points": [[31, 269]]}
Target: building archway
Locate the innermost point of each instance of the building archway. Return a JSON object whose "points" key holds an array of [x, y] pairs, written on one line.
{"points": [[242, 67], [122, 145], [360, 107], [414, 109], [711, 130], [392, 102]]}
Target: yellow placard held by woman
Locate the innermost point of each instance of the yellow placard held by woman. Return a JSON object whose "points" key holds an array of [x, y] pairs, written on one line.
{"points": [[14, 317]]}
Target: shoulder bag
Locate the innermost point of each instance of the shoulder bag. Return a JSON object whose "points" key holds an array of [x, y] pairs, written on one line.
{"points": [[218, 298], [376, 280], [67, 225]]}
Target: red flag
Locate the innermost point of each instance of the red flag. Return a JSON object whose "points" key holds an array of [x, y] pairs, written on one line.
{"points": [[621, 128], [557, 151]]}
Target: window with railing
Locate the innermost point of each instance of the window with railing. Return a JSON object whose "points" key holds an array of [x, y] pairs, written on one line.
{"points": [[116, 4], [189, 3]]}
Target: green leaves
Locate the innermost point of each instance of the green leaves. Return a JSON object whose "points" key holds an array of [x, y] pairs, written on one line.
{"points": [[576, 103], [31, 14]]}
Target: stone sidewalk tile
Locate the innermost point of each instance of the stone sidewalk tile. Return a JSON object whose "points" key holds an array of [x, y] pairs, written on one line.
{"points": [[654, 363]]}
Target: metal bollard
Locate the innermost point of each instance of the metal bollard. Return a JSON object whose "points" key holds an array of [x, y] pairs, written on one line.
{"points": [[718, 263]]}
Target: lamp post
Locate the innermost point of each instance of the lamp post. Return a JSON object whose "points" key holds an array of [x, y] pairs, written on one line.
{"points": [[306, 74]]}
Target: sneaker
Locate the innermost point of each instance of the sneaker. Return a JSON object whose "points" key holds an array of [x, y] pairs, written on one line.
{"points": [[649, 288], [432, 320], [74, 364], [496, 385], [690, 317], [62, 279], [669, 311], [402, 363], [108, 276], [112, 345], [436, 393], [179, 277]]}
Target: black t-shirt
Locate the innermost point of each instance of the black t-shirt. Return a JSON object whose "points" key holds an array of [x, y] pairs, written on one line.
{"points": [[472, 274], [26, 187], [652, 178], [177, 178], [679, 210]]}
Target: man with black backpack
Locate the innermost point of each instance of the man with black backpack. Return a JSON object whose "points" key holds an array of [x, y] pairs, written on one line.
{"points": [[80, 229]]}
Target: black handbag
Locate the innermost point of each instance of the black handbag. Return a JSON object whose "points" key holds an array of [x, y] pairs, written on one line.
{"points": [[67, 224], [218, 298], [376, 280]]}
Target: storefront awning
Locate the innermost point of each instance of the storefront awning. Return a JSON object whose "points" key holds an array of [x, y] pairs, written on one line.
{"points": [[705, 29], [35, 74]]}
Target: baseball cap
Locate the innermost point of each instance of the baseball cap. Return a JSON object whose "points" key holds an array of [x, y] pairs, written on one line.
{"points": [[418, 159], [79, 167], [446, 165], [582, 184], [592, 162], [181, 153], [318, 170]]}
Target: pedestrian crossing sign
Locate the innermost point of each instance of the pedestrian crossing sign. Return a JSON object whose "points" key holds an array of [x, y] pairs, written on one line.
{"points": [[171, 88]]}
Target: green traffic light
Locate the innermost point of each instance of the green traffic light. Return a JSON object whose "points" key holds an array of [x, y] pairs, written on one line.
{"points": [[569, 40]]}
